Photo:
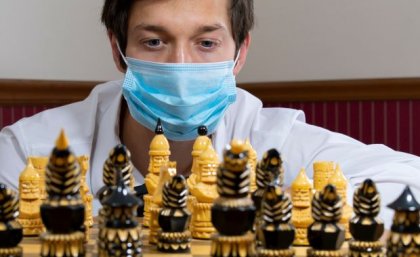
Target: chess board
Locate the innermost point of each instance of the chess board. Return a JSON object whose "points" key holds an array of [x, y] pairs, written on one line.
{"points": [[199, 248]]}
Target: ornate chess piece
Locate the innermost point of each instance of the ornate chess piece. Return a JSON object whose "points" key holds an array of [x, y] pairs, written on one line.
{"points": [[325, 235], [301, 214], [233, 212], [87, 197], [268, 171], [323, 171], [40, 165], [121, 234], [159, 153], [30, 201], [340, 182], [10, 229], [252, 161], [174, 217], [366, 227], [205, 191], [277, 233], [166, 173], [404, 239], [63, 211]]}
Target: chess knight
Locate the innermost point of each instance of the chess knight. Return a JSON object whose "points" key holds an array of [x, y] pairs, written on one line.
{"points": [[205, 191], [30, 201]]}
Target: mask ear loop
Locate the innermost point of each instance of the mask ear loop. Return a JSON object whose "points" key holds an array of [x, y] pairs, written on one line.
{"points": [[237, 58], [122, 55]]}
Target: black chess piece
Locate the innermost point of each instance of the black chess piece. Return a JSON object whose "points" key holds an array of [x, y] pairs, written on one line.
{"points": [[365, 227], [233, 213], [325, 235], [174, 217], [120, 234], [277, 232], [404, 239], [11, 232], [268, 171], [63, 211]]}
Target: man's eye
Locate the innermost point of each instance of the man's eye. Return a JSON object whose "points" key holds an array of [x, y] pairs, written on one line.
{"points": [[207, 44], [153, 43]]}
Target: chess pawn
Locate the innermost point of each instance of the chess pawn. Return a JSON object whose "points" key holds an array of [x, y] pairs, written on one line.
{"points": [[205, 192], [325, 235], [63, 211], [404, 239], [10, 229], [277, 233], [323, 171], [30, 201], [159, 153], [118, 161], [340, 182], [174, 217], [166, 173], [252, 161], [301, 191], [365, 227], [87, 197], [268, 171], [121, 235], [233, 212], [40, 164]]}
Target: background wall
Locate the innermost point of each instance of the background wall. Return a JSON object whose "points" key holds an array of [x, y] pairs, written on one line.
{"points": [[293, 40]]}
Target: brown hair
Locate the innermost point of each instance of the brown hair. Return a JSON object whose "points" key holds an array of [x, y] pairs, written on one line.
{"points": [[115, 14]]}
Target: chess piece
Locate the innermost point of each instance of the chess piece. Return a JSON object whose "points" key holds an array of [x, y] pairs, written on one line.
{"points": [[200, 144], [301, 191], [365, 226], [174, 217], [159, 153], [340, 182], [277, 233], [87, 197], [325, 235], [10, 229], [233, 212], [118, 161], [40, 164], [121, 235], [323, 171], [252, 161], [404, 239], [30, 201], [63, 211], [166, 173], [268, 171], [205, 192]]}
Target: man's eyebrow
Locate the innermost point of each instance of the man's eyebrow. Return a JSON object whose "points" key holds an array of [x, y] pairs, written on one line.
{"points": [[162, 29], [210, 28], [150, 27]]}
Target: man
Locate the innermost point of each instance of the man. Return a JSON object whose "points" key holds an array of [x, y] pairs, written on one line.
{"points": [[180, 58]]}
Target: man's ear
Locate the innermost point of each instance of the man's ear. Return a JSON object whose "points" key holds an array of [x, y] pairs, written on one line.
{"points": [[242, 54], [115, 53]]}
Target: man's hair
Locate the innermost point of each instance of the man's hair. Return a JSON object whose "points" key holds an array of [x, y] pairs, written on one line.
{"points": [[115, 14]]}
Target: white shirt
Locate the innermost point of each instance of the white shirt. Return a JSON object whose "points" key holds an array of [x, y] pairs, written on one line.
{"points": [[92, 127]]}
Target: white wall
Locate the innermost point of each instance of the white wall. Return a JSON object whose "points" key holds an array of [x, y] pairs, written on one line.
{"points": [[293, 40]]}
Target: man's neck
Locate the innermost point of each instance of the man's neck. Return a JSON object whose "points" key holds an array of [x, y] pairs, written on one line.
{"points": [[137, 138]]}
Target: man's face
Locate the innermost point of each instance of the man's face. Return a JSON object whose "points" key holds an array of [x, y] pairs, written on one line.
{"points": [[180, 31]]}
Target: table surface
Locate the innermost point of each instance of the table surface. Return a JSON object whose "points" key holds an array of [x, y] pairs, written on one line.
{"points": [[199, 248]]}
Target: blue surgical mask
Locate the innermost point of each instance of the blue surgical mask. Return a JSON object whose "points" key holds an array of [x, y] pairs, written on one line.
{"points": [[183, 95]]}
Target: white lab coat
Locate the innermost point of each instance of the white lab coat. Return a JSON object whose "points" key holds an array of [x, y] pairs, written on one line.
{"points": [[92, 128]]}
